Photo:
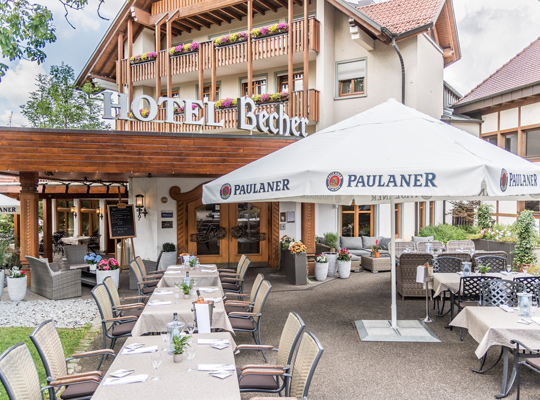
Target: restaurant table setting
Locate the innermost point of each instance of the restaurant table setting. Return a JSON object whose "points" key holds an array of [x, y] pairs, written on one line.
{"points": [[137, 374], [72, 240], [450, 280], [206, 275]]}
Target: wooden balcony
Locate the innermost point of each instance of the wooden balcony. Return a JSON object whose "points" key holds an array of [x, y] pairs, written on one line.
{"points": [[264, 48], [294, 107]]}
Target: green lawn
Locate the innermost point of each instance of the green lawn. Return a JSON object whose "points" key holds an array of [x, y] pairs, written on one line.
{"points": [[70, 340]]}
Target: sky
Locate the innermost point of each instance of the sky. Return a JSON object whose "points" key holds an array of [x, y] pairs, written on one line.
{"points": [[490, 33]]}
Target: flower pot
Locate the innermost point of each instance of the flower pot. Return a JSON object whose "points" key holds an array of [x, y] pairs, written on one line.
{"points": [[177, 358], [17, 288], [92, 267], [113, 273], [332, 265], [377, 254], [2, 278], [297, 268], [187, 296], [344, 269], [321, 271]]}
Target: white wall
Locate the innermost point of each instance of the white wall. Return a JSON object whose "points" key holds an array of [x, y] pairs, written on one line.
{"points": [[509, 118], [490, 122], [326, 219], [530, 114]]}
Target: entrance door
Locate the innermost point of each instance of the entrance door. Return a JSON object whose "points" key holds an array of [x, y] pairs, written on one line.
{"points": [[221, 233]]}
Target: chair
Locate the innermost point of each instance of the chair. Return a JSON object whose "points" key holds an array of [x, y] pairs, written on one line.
{"points": [[530, 284], [119, 309], [462, 256], [498, 292], [150, 266], [406, 274], [496, 263], [307, 358], [19, 375], [144, 272], [112, 327], [58, 246], [435, 245], [144, 286], [454, 245], [53, 285], [234, 271], [235, 283], [47, 341], [229, 275], [529, 359], [402, 246], [94, 244], [251, 321], [75, 255], [445, 264], [243, 305], [290, 335]]}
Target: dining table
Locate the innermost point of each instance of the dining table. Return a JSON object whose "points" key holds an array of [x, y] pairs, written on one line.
{"points": [[450, 280], [175, 381], [205, 274], [492, 326], [72, 240]]}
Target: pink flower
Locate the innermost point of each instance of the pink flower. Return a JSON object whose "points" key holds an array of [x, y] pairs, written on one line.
{"points": [[194, 46], [106, 268]]}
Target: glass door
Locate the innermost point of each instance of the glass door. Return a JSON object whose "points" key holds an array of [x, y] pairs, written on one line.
{"points": [[249, 231]]}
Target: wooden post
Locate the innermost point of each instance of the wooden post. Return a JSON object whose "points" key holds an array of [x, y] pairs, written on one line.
{"points": [[249, 49], [119, 77], [157, 74], [29, 218], [129, 55], [214, 73], [306, 57], [290, 56], [17, 230], [201, 74], [47, 229], [169, 45], [308, 234]]}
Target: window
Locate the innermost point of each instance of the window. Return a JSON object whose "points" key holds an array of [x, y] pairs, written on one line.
{"points": [[421, 214], [283, 82], [64, 216], [532, 143], [398, 220], [511, 142], [206, 91], [357, 220], [492, 139], [351, 78], [175, 92], [258, 86], [89, 220], [432, 213]]}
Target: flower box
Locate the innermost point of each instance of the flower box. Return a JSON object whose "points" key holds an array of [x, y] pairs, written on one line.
{"points": [[143, 58], [225, 103], [183, 49], [492, 245], [233, 38], [270, 30], [268, 98], [294, 266]]}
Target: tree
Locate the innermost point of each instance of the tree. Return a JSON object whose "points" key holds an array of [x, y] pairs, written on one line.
{"points": [[526, 239], [56, 103], [25, 29]]}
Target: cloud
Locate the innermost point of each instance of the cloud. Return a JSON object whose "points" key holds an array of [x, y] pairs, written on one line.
{"points": [[18, 82], [15, 119]]}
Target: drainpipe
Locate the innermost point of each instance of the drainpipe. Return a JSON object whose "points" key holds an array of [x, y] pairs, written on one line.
{"points": [[396, 48]]}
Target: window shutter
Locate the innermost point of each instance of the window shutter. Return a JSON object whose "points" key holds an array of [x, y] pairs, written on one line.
{"points": [[351, 70]]}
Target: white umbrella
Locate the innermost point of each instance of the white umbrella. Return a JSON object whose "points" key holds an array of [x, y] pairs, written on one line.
{"points": [[386, 154], [9, 205]]}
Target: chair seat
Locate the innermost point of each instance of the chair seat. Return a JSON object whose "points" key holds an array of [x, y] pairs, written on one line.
{"points": [[227, 280], [230, 286], [262, 382], [148, 290], [123, 329], [153, 284], [534, 362], [466, 304], [132, 313], [242, 323], [230, 309], [80, 390]]}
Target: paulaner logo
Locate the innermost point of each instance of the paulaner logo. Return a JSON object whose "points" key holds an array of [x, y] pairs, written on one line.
{"points": [[225, 191], [504, 180], [509, 179], [334, 181]]}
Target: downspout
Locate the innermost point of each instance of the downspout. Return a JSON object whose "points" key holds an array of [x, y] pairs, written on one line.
{"points": [[396, 48]]}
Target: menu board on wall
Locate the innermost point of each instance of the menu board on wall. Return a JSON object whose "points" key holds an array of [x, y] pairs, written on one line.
{"points": [[121, 221]]}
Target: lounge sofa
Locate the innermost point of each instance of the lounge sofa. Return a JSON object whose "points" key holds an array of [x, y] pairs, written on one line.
{"points": [[361, 245]]}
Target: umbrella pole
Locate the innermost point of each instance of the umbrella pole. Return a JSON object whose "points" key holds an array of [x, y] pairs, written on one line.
{"points": [[393, 259]]}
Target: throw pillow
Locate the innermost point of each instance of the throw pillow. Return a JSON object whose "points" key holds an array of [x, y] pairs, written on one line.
{"points": [[385, 242], [351, 242], [417, 239], [53, 266], [369, 241]]}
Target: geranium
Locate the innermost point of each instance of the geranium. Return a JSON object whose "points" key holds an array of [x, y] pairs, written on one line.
{"points": [[183, 48], [284, 96], [298, 247], [270, 29], [283, 26], [181, 108], [232, 38], [265, 97], [92, 258], [500, 235], [151, 55], [344, 255], [226, 103], [108, 264], [16, 272], [321, 258]]}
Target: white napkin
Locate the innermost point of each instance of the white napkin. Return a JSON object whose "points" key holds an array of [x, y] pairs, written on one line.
{"points": [[505, 273], [163, 292], [159, 303], [172, 272], [216, 367], [208, 270], [536, 320], [208, 266], [222, 375], [121, 373], [208, 289], [420, 273], [175, 267], [149, 349], [212, 341], [214, 299], [134, 346], [504, 307], [125, 380]]}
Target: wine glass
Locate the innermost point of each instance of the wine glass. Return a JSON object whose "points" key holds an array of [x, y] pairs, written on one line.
{"points": [[534, 305], [191, 327], [193, 283], [176, 294], [190, 354], [508, 268], [165, 337], [156, 362], [525, 268]]}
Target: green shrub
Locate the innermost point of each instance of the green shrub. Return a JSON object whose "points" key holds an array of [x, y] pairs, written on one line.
{"points": [[444, 232], [331, 239], [526, 239], [483, 214], [167, 247]]}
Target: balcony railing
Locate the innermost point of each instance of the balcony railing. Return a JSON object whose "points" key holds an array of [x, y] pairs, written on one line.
{"points": [[293, 107], [167, 5], [267, 47]]}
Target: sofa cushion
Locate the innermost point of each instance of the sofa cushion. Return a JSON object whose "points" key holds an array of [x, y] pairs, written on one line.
{"points": [[417, 239], [369, 241], [351, 243], [385, 242], [361, 252]]}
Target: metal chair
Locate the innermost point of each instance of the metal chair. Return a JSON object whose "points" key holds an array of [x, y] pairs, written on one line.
{"points": [[225, 271], [461, 256], [435, 245], [235, 283], [455, 245], [230, 275], [530, 285], [251, 321], [496, 263], [527, 357], [58, 246], [94, 243], [498, 292], [307, 358], [290, 335], [243, 305], [445, 264], [53, 285], [119, 309], [47, 341], [145, 287], [112, 327]]}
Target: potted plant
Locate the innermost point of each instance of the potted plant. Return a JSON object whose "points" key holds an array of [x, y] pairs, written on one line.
{"points": [[180, 342], [269, 30], [230, 39], [298, 273], [144, 57], [184, 48], [168, 257], [526, 240], [227, 102], [321, 267], [344, 263], [483, 269], [332, 240], [376, 250], [186, 289], [92, 260], [17, 282], [108, 267]]}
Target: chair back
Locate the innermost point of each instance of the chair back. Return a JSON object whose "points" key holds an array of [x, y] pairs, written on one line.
{"points": [[498, 292], [255, 288], [103, 301], [138, 274], [18, 374], [75, 253], [290, 335], [112, 290], [402, 246], [244, 268], [47, 341], [264, 290], [307, 358], [38, 266], [241, 262], [530, 284], [462, 256], [496, 263], [454, 245], [141, 265], [435, 245], [470, 287], [446, 264]]}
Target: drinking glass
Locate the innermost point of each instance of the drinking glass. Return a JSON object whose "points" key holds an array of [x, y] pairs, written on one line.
{"points": [[508, 268], [156, 362], [165, 337], [191, 327], [190, 356], [176, 294], [534, 306], [193, 283]]}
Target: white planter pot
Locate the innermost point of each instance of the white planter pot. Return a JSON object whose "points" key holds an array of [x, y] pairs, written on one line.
{"points": [[92, 267], [114, 274], [332, 266], [2, 278], [321, 271], [17, 288], [167, 258], [344, 269]]}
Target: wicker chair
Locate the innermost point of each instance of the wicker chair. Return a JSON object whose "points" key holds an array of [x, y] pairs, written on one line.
{"points": [[147, 273], [145, 287], [402, 246], [119, 309], [243, 305], [498, 292], [251, 321], [495, 263], [53, 285], [150, 266], [435, 245], [47, 341], [75, 255], [290, 335], [454, 245], [235, 283], [406, 274]]}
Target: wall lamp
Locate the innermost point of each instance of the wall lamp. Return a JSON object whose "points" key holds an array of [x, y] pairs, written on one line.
{"points": [[99, 212], [139, 205], [74, 211]]}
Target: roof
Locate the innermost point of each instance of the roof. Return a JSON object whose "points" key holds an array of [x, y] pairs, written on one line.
{"points": [[521, 71], [400, 16]]}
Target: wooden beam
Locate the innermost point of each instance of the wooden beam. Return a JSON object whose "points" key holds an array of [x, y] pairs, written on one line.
{"points": [[206, 6], [219, 16], [249, 48], [267, 5], [119, 77], [189, 23], [306, 57], [47, 230], [240, 9], [201, 75], [283, 3], [258, 8], [230, 12], [291, 53], [201, 21], [214, 77], [144, 18], [157, 62], [130, 54], [210, 18], [182, 26]]}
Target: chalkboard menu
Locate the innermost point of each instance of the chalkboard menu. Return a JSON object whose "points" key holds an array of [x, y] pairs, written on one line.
{"points": [[121, 221]]}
